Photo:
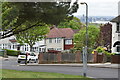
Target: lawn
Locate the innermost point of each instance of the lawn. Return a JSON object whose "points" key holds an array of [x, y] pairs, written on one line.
{"points": [[29, 74]]}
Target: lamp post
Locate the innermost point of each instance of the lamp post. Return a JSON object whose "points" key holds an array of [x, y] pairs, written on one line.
{"points": [[85, 49]]}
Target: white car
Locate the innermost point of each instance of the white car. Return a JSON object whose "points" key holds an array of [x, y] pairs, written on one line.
{"points": [[31, 57]]}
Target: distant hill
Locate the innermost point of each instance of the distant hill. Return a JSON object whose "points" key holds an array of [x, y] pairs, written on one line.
{"points": [[95, 18]]}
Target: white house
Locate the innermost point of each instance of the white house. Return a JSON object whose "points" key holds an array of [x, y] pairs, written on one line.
{"points": [[116, 33], [11, 43], [8, 43]]}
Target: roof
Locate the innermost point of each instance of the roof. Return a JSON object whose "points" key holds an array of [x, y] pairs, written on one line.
{"points": [[12, 40], [61, 32], [117, 19]]}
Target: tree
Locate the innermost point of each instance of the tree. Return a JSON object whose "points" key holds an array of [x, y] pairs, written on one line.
{"points": [[80, 38], [32, 35], [15, 14], [105, 36], [74, 23]]}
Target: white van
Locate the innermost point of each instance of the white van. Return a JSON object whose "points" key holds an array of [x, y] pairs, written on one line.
{"points": [[31, 57]]}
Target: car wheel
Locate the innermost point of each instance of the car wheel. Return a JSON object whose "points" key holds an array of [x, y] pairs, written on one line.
{"points": [[36, 60], [19, 61], [28, 61]]}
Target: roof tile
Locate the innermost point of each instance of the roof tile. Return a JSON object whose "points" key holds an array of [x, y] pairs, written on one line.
{"points": [[61, 32]]}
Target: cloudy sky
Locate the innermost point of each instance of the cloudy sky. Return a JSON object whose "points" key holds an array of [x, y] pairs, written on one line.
{"points": [[99, 7]]}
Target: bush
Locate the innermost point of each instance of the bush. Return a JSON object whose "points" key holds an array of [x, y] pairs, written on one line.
{"points": [[12, 52], [100, 49]]}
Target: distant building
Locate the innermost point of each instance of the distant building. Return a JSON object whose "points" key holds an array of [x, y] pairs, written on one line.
{"points": [[101, 22], [116, 35], [12, 44], [60, 39], [116, 32], [8, 43]]}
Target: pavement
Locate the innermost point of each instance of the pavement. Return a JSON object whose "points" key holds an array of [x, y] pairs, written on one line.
{"points": [[99, 65]]}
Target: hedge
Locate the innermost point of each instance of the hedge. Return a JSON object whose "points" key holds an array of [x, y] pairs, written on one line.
{"points": [[12, 52]]}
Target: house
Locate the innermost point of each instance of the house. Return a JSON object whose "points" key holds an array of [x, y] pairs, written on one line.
{"points": [[12, 44], [38, 47], [116, 33], [8, 43], [60, 39]]}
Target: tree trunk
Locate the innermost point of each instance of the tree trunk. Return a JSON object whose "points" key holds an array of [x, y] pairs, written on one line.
{"points": [[31, 48]]}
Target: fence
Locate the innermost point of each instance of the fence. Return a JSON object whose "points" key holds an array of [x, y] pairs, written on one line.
{"points": [[62, 58]]}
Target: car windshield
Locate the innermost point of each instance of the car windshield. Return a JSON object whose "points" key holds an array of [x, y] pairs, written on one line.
{"points": [[22, 53], [32, 54]]}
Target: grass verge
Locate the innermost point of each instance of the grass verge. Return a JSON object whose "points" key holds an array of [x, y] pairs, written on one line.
{"points": [[29, 74]]}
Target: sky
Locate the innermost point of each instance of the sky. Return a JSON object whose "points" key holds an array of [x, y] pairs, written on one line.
{"points": [[99, 7]]}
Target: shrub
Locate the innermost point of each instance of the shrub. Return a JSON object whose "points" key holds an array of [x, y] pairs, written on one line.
{"points": [[100, 49], [12, 52]]}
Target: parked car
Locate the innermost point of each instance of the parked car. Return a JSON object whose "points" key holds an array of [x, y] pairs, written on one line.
{"points": [[31, 57]]}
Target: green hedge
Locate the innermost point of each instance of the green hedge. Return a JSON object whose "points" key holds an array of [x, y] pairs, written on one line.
{"points": [[12, 52]]}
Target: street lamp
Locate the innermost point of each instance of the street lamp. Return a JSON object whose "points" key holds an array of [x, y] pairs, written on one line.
{"points": [[85, 52]]}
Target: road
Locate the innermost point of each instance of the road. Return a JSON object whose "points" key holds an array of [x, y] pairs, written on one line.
{"points": [[91, 71]]}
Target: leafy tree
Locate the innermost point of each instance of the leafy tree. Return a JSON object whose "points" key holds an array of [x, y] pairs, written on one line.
{"points": [[32, 35], [80, 38], [16, 14], [105, 36], [74, 24]]}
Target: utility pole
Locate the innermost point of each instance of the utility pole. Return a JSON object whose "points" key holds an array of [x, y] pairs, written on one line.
{"points": [[85, 49]]}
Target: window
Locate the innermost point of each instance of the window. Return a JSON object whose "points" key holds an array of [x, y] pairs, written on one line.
{"points": [[58, 49], [13, 46], [118, 27], [10, 46], [118, 48], [43, 49], [39, 49], [57, 40], [27, 48], [50, 49], [5, 44], [68, 41], [50, 40], [36, 48]]}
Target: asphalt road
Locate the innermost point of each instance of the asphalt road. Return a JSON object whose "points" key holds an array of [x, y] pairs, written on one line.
{"points": [[91, 71]]}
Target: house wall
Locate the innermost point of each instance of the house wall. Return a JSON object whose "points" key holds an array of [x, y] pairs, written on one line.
{"points": [[54, 45], [115, 37], [69, 45]]}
